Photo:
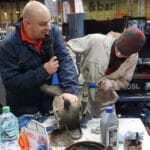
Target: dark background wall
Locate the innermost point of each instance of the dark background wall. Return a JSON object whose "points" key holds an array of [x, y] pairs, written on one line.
{"points": [[2, 93]]}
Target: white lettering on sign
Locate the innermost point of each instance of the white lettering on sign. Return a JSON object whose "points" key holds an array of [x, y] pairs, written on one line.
{"points": [[133, 86]]}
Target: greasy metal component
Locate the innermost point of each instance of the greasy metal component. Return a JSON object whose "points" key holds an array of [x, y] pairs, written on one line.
{"points": [[107, 97], [60, 138], [68, 115], [83, 97], [51, 89], [86, 145], [103, 99]]}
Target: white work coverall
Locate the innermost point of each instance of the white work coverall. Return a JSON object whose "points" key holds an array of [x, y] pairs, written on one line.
{"points": [[95, 52]]}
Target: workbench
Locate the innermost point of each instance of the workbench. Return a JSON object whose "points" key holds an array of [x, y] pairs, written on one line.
{"points": [[125, 124]]}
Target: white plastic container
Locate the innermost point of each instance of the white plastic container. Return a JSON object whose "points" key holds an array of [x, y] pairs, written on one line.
{"points": [[109, 126]]}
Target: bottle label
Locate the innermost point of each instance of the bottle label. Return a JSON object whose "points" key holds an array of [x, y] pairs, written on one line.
{"points": [[9, 128], [112, 135]]}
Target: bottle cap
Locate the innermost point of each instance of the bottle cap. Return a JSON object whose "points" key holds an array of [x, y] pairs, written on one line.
{"points": [[6, 109], [109, 109]]}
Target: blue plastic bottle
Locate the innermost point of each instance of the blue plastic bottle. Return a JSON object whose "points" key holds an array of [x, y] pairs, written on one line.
{"points": [[9, 130]]}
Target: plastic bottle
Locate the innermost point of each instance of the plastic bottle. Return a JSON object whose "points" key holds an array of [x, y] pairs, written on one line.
{"points": [[9, 130], [109, 125]]}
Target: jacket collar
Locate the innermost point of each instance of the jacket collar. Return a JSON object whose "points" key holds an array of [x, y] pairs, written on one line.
{"points": [[17, 31]]}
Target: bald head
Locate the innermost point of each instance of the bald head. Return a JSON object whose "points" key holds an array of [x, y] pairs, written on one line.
{"points": [[34, 9]]}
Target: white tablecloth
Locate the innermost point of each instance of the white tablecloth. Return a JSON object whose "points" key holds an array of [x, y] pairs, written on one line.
{"points": [[125, 125]]}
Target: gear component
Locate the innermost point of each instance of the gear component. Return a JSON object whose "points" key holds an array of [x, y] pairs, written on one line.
{"points": [[68, 115]]}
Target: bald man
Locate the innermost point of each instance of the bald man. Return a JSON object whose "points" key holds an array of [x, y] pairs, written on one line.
{"points": [[29, 56]]}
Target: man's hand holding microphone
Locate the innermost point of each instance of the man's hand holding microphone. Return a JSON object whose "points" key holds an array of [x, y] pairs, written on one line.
{"points": [[51, 67]]}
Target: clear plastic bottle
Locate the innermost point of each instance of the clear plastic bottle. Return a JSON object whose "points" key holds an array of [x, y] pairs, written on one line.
{"points": [[109, 126], [9, 130]]}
